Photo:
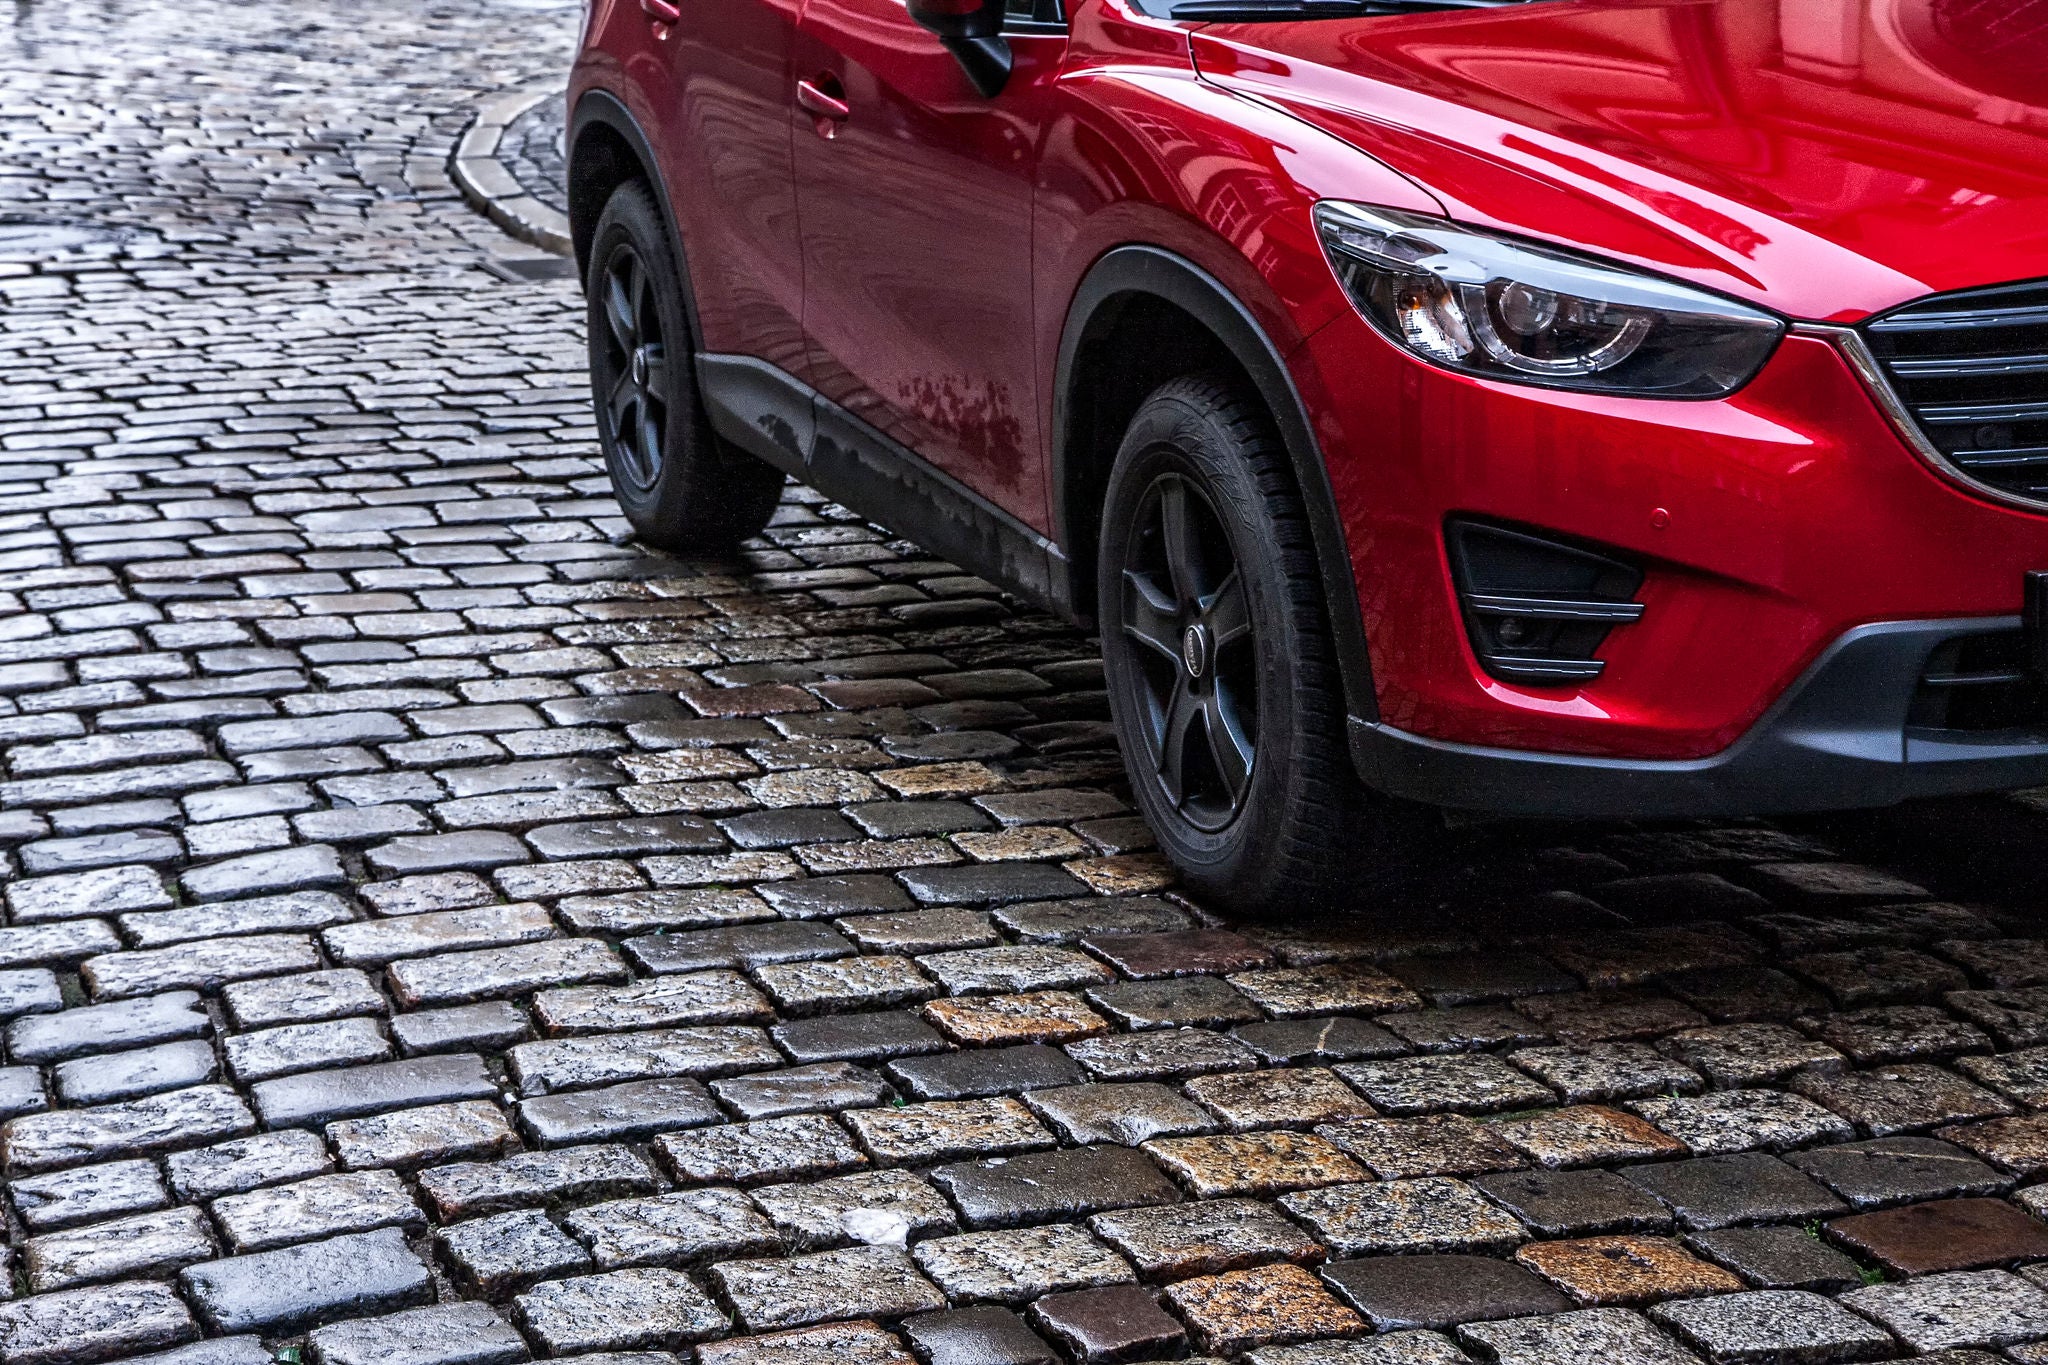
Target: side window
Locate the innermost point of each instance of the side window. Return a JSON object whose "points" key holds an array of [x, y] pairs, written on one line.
{"points": [[1034, 16]]}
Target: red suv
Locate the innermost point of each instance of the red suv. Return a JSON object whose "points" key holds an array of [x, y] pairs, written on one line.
{"points": [[1573, 407]]}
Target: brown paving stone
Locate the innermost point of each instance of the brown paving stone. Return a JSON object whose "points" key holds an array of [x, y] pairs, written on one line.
{"points": [[1253, 1163], [1033, 1017], [1329, 988], [1585, 1135], [1269, 1306], [1947, 1234], [1286, 1097], [1184, 953], [2018, 1146], [1625, 1271], [1441, 1144]]}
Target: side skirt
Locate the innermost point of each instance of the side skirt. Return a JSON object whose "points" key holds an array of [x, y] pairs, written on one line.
{"points": [[776, 417]]}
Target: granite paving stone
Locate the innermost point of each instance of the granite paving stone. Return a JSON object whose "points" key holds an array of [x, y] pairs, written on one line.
{"points": [[873, 1207], [976, 1336], [356, 1201], [445, 1334], [599, 1171], [1610, 1334], [1631, 1271], [619, 1311], [507, 1252], [1897, 1170], [1395, 1217], [87, 1194], [838, 1343], [1275, 1305], [1947, 1234], [1101, 1326], [1742, 1120], [671, 1229], [1962, 1308], [1041, 1186], [799, 1290], [1203, 1237], [1440, 1144], [798, 1147], [1792, 1326], [80, 1325], [142, 1246], [1130, 1114], [1779, 1257], [1461, 1083], [1017, 1265], [1575, 1203], [1252, 1163]]}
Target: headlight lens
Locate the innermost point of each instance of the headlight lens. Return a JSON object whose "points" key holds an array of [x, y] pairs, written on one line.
{"points": [[1491, 306]]}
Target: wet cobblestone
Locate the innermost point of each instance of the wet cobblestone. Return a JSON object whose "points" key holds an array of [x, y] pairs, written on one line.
{"points": [[438, 929]]}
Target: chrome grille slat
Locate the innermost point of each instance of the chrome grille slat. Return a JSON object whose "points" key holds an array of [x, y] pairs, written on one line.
{"points": [[1971, 371]]}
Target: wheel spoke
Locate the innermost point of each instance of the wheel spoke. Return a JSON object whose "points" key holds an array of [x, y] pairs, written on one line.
{"points": [[649, 444], [646, 313], [1180, 540], [623, 397], [1181, 710], [618, 312], [1230, 750], [1227, 613], [1150, 618]]}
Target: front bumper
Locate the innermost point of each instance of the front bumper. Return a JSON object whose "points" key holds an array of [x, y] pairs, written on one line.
{"points": [[1838, 739]]}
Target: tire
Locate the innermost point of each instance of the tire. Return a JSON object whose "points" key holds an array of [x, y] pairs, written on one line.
{"points": [[1223, 680], [682, 487]]}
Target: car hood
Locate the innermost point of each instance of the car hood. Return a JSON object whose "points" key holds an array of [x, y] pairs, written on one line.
{"points": [[1825, 158]]}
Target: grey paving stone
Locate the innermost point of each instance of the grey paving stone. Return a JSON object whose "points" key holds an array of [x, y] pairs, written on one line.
{"points": [[1784, 1325], [81, 1325], [324, 1096], [984, 1071], [621, 1310], [1428, 1214], [1779, 1258], [671, 1229], [205, 965], [136, 1247], [1743, 1120], [826, 1086], [491, 1026], [508, 1252], [1575, 1203], [145, 1071], [455, 978], [793, 1148], [87, 1194], [579, 1063], [1160, 1054], [1466, 1084], [1611, 1334], [921, 1134], [375, 943], [247, 1163], [180, 1118], [1121, 1322], [106, 1028], [874, 1207], [355, 1201], [636, 1109], [1714, 1192], [839, 1343], [571, 1175], [857, 1037], [411, 1138], [696, 998], [1017, 1265], [1967, 1308], [276, 1292], [304, 1047], [1203, 1237], [1129, 1114], [331, 994], [977, 1336], [447, 1334], [1899, 1170], [800, 1290]]}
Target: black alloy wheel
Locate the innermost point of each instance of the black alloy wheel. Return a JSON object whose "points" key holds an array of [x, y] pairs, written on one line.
{"points": [[681, 486], [1223, 680], [636, 366], [1184, 604]]}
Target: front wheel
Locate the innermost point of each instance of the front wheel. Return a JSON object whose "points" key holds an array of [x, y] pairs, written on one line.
{"points": [[1222, 676], [679, 484]]}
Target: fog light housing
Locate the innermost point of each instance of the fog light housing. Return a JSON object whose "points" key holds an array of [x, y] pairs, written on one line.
{"points": [[1538, 609]]}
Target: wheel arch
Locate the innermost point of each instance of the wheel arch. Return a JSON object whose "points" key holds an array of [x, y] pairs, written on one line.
{"points": [[1144, 315], [605, 149]]}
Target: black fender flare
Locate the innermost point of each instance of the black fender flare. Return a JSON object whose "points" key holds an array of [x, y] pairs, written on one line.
{"points": [[1139, 269]]}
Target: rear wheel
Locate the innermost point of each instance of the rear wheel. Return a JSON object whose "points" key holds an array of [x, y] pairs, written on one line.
{"points": [[1222, 678], [681, 486]]}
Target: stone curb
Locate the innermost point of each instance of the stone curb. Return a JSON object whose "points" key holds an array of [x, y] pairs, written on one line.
{"points": [[491, 189]]}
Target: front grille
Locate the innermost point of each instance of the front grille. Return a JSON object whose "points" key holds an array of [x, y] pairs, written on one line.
{"points": [[1979, 682], [1972, 370]]}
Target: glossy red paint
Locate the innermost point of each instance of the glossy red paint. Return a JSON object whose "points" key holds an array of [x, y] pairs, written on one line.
{"points": [[917, 244], [1824, 159]]}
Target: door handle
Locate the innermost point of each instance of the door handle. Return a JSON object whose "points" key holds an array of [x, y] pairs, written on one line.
{"points": [[817, 99], [661, 11]]}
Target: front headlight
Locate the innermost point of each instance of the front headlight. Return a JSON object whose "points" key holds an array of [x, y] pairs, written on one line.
{"points": [[1491, 306]]}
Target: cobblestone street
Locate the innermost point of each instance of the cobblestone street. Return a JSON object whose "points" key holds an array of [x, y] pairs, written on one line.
{"points": [[440, 933]]}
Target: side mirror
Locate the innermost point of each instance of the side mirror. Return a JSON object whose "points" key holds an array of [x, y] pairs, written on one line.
{"points": [[972, 30]]}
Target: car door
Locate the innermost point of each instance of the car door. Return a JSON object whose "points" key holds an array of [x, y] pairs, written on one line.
{"points": [[716, 78], [915, 211]]}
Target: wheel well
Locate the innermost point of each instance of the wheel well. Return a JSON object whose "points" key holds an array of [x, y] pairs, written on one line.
{"points": [[600, 162], [1134, 343]]}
